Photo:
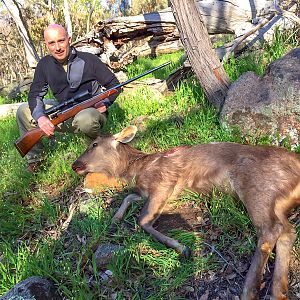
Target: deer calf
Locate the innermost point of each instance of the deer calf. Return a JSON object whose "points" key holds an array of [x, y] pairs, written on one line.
{"points": [[266, 179]]}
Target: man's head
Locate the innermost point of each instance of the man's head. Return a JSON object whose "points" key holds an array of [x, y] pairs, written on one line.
{"points": [[57, 41]]}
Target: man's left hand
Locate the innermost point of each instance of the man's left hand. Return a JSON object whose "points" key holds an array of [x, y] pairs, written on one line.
{"points": [[102, 108]]}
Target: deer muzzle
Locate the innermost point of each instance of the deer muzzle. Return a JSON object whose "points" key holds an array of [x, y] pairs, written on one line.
{"points": [[79, 167]]}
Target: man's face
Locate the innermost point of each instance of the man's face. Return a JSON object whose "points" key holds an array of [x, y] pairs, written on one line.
{"points": [[58, 43]]}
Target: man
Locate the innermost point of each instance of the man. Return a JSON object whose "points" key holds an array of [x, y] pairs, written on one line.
{"points": [[66, 72]]}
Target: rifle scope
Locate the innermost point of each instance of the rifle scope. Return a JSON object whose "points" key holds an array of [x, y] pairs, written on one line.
{"points": [[67, 102]]}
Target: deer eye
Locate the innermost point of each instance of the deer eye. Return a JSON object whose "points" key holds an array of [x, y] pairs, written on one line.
{"points": [[95, 145]]}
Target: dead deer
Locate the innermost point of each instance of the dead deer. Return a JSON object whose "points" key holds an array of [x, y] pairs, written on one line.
{"points": [[266, 179]]}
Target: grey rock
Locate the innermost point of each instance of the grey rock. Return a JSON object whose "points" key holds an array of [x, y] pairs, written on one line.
{"points": [[267, 105], [105, 253], [33, 288]]}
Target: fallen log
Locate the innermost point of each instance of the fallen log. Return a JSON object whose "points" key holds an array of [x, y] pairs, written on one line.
{"points": [[121, 40]]}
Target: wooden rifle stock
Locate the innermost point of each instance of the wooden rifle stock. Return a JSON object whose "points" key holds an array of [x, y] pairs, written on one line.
{"points": [[30, 138]]}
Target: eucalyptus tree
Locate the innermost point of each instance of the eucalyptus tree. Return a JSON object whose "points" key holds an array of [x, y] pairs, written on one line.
{"points": [[32, 56], [68, 22]]}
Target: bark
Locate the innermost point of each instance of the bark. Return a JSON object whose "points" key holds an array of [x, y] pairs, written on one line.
{"points": [[205, 63], [68, 18], [50, 12], [31, 53], [92, 8]]}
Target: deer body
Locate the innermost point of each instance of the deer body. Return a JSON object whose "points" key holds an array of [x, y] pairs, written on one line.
{"points": [[265, 179]]}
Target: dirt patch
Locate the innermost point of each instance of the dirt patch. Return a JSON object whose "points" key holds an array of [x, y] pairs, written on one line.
{"points": [[185, 217]]}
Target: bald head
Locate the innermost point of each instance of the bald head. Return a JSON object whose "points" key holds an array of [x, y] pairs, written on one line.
{"points": [[55, 28], [58, 42]]}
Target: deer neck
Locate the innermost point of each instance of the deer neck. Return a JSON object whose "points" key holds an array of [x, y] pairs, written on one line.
{"points": [[132, 162]]}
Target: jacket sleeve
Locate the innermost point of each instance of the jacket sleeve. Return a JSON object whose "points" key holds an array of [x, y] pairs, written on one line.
{"points": [[38, 90], [106, 78]]}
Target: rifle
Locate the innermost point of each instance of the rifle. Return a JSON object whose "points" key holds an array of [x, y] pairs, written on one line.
{"points": [[58, 115]]}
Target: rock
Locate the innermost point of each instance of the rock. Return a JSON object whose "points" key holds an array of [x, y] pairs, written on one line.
{"points": [[267, 105], [33, 288], [104, 254]]}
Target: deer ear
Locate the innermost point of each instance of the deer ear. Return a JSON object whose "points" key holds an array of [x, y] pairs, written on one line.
{"points": [[126, 135]]}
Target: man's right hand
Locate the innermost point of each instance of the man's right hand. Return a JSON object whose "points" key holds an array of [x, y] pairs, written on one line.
{"points": [[46, 125]]}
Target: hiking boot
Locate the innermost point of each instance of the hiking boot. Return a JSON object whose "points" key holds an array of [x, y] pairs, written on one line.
{"points": [[33, 167], [99, 182]]}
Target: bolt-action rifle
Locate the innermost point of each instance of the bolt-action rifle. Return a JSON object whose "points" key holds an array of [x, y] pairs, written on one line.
{"points": [[68, 109]]}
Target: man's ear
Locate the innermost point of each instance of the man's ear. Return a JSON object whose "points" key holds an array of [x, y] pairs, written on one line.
{"points": [[126, 135], [45, 43]]}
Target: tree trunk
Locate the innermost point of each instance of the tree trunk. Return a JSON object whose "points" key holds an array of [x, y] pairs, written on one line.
{"points": [[92, 8], [31, 53], [67, 18], [197, 44], [50, 12]]}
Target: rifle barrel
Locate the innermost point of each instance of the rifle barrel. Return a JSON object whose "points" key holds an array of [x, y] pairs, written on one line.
{"points": [[141, 75]]}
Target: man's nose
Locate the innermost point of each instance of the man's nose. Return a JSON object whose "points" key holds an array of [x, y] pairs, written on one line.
{"points": [[57, 46]]}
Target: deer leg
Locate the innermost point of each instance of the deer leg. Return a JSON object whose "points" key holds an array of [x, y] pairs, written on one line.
{"points": [[284, 247], [266, 242], [150, 212], [124, 206], [118, 216]]}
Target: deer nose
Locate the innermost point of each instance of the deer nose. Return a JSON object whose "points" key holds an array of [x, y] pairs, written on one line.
{"points": [[78, 166]]}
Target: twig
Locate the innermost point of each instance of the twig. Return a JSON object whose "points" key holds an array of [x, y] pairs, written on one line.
{"points": [[291, 16], [262, 23], [286, 13], [213, 249], [66, 223]]}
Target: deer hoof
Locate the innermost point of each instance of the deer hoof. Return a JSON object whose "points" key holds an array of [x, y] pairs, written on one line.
{"points": [[186, 252]]}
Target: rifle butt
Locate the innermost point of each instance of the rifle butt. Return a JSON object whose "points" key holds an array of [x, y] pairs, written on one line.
{"points": [[28, 140]]}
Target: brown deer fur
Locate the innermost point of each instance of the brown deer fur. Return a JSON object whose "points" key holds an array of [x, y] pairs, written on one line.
{"points": [[266, 179]]}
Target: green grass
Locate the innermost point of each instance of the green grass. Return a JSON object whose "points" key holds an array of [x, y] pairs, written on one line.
{"points": [[33, 207]]}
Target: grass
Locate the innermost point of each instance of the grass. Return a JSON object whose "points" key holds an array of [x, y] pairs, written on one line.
{"points": [[33, 207]]}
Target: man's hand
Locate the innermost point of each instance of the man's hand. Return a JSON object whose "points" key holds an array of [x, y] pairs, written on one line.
{"points": [[46, 125], [101, 108]]}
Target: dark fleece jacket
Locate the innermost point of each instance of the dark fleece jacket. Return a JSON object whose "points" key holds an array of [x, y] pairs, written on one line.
{"points": [[85, 72]]}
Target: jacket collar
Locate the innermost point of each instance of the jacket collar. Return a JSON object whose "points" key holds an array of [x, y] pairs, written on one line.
{"points": [[71, 57], [72, 54]]}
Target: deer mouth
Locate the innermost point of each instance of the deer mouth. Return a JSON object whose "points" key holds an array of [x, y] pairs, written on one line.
{"points": [[79, 167]]}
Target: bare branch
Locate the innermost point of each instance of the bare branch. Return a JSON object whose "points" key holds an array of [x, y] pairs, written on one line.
{"points": [[238, 41]]}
